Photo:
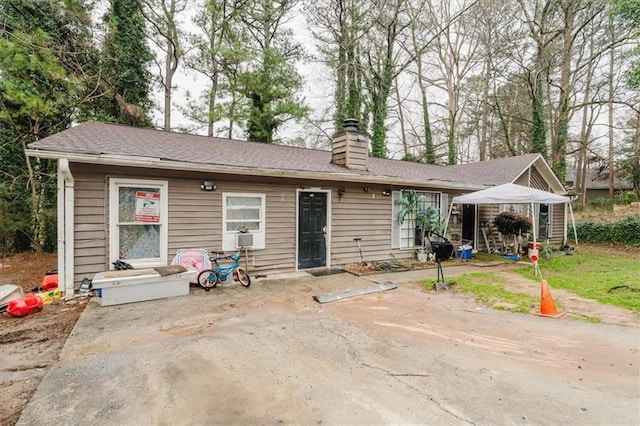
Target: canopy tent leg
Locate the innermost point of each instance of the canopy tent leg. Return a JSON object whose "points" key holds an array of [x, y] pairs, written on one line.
{"points": [[446, 225]]}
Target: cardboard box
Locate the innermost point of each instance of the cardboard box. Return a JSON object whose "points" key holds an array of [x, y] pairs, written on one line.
{"points": [[117, 290]]}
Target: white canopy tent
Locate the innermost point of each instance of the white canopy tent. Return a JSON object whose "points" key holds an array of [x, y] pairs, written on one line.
{"points": [[510, 193]]}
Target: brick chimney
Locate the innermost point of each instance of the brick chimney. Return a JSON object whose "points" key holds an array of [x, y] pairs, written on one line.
{"points": [[350, 148]]}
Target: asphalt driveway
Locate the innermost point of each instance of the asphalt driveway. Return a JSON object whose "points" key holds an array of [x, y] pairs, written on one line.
{"points": [[270, 354]]}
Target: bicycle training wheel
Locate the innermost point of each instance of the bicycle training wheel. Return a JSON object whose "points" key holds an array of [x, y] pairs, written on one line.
{"points": [[242, 276], [207, 279]]}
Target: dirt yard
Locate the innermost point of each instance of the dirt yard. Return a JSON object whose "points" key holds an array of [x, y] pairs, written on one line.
{"points": [[30, 345]]}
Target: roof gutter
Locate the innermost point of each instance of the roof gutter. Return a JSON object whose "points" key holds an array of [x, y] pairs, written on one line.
{"points": [[66, 219], [158, 163]]}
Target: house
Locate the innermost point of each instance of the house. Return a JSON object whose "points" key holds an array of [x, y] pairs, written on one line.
{"points": [[597, 184], [140, 195]]}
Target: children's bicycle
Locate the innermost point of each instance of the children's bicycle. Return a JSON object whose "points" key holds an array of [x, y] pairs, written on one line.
{"points": [[209, 278]]}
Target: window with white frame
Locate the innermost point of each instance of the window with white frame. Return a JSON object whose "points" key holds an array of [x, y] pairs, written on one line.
{"points": [[138, 222], [404, 235], [243, 213]]}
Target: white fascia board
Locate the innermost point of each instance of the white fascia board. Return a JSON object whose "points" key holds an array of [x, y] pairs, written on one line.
{"points": [[157, 163]]}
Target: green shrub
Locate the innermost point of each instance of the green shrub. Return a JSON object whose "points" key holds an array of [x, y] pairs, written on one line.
{"points": [[510, 223], [628, 198], [601, 203], [625, 232]]}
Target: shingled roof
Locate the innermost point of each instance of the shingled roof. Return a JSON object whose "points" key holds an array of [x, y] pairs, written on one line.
{"points": [[94, 142], [599, 180], [499, 170]]}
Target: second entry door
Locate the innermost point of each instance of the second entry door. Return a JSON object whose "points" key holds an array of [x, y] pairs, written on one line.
{"points": [[469, 223]]}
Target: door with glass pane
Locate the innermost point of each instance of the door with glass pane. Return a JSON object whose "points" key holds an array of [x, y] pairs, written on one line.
{"points": [[544, 221]]}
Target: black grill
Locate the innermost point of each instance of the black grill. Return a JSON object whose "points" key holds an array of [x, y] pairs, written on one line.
{"points": [[442, 250]]}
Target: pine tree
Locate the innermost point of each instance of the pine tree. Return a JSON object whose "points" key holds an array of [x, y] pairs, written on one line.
{"points": [[46, 65], [125, 58], [629, 11], [271, 81]]}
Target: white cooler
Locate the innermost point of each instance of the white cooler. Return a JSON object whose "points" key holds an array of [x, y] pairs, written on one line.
{"points": [[150, 285]]}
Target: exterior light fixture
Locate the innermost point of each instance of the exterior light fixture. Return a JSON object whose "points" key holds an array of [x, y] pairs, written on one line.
{"points": [[208, 185], [341, 192]]}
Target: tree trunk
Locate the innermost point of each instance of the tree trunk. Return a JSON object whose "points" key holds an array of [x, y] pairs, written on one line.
{"points": [[403, 133], [610, 112], [429, 150], [559, 147], [213, 94], [482, 148], [36, 217], [538, 125], [381, 87]]}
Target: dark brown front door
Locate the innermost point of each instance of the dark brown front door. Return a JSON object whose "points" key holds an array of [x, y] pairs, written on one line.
{"points": [[312, 228]]}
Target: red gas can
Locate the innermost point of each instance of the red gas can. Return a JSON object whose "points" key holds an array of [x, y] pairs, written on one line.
{"points": [[26, 305], [50, 281]]}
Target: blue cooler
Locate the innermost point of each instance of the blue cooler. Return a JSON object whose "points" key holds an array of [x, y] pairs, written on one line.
{"points": [[465, 253]]}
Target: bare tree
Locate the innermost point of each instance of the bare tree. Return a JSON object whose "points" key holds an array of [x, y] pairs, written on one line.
{"points": [[541, 20], [162, 16], [497, 32], [415, 47], [456, 55]]}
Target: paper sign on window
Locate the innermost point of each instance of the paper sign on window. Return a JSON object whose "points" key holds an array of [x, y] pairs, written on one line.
{"points": [[147, 207]]}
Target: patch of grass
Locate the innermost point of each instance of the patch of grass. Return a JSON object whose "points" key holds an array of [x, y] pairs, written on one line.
{"points": [[611, 278], [490, 289]]}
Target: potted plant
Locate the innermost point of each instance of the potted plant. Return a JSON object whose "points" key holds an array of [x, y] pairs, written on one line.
{"points": [[430, 222], [511, 224]]}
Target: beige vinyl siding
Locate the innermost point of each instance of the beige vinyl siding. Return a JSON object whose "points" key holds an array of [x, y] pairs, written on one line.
{"points": [[365, 215], [557, 225], [90, 230], [532, 178], [537, 181], [279, 254], [523, 179], [194, 218], [195, 221]]}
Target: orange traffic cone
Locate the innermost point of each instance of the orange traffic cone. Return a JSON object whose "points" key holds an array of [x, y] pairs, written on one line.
{"points": [[547, 305]]}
